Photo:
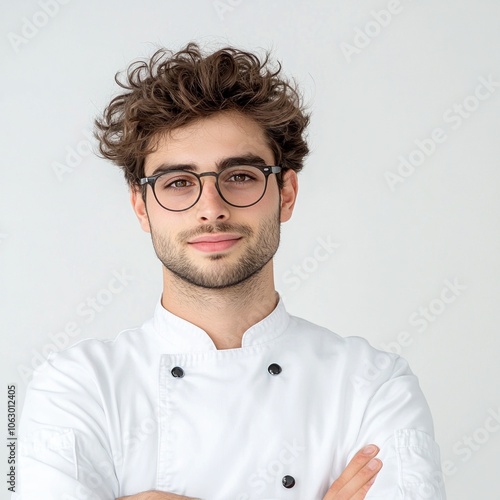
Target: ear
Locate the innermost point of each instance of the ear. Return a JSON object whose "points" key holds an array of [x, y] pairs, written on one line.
{"points": [[139, 207], [288, 194]]}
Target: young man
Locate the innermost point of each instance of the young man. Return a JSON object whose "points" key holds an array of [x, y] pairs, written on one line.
{"points": [[222, 395]]}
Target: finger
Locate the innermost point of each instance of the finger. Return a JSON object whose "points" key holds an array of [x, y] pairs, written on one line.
{"points": [[361, 493], [357, 487], [156, 495], [360, 460]]}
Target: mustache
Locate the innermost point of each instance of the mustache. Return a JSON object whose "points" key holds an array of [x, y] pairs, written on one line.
{"points": [[222, 227]]}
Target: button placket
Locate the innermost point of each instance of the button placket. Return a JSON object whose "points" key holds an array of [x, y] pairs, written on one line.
{"points": [[287, 481]]}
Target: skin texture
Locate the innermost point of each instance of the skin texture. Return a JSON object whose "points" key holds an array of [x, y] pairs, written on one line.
{"points": [[229, 288], [246, 268]]}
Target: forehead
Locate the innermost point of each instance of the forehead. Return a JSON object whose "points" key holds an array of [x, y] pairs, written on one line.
{"points": [[210, 140]]}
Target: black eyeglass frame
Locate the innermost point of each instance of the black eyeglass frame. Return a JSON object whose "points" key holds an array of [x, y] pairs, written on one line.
{"points": [[267, 170]]}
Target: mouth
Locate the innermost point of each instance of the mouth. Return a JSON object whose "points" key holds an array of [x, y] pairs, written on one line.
{"points": [[214, 242]]}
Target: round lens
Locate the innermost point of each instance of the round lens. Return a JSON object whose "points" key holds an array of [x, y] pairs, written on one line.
{"points": [[177, 190], [242, 185]]}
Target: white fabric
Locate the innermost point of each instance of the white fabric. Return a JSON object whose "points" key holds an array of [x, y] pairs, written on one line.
{"points": [[104, 419]]}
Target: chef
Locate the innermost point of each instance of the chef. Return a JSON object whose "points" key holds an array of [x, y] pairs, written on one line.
{"points": [[222, 395]]}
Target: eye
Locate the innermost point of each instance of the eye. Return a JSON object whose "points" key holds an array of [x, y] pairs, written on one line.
{"points": [[173, 182], [240, 177], [179, 183]]}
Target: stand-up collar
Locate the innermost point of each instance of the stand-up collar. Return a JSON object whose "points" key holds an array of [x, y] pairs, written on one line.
{"points": [[183, 336]]}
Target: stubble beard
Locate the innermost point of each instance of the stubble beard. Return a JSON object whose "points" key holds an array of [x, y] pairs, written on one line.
{"points": [[220, 274]]}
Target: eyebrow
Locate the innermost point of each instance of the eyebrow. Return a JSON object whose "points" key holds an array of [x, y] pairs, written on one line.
{"points": [[248, 159]]}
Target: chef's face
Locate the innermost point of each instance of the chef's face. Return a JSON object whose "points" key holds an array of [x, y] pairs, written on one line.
{"points": [[213, 244]]}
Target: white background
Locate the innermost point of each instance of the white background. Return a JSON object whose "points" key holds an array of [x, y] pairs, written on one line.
{"points": [[66, 225]]}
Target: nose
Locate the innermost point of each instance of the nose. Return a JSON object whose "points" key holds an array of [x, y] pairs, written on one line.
{"points": [[211, 207]]}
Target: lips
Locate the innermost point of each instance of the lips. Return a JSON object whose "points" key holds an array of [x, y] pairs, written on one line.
{"points": [[214, 242]]}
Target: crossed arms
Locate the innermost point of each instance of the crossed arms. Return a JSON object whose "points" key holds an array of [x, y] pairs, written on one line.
{"points": [[352, 484]]}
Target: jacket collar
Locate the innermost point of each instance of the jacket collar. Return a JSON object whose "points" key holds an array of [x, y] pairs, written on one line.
{"points": [[183, 336]]}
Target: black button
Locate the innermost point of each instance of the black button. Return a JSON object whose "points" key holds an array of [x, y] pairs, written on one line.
{"points": [[274, 369], [177, 372], [288, 482]]}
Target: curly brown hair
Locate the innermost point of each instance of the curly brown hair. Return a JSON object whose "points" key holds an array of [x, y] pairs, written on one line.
{"points": [[173, 89]]}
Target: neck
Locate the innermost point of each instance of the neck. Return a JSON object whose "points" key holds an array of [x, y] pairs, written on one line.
{"points": [[225, 314]]}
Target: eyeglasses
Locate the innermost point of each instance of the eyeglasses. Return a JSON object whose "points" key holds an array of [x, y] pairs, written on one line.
{"points": [[239, 186]]}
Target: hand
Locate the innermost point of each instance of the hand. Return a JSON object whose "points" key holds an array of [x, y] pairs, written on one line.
{"points": [[352, 484], [155, 495], [358, 476]]}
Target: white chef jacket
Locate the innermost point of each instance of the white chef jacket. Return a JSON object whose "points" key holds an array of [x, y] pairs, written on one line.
{"points": [[160, 408]]}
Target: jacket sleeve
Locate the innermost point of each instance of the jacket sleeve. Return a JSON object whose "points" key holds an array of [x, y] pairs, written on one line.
{"points": [[64, 451], [397, 419]]}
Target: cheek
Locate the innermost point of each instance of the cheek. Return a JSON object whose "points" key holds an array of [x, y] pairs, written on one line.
{"points": [[166, 224], [271, 199]]}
